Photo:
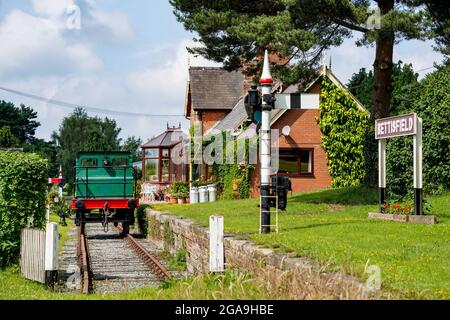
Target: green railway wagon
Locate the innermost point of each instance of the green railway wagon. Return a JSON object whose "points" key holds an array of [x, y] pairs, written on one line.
{"points": [[104, 189]]}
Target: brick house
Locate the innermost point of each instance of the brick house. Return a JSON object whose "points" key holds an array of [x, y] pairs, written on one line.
{"points": [[211, 94], [301, 156]]}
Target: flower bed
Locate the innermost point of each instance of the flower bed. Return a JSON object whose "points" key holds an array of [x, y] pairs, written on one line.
{"points": [[403, 218]]}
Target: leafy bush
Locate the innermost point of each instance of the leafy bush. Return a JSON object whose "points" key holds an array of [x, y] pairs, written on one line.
{"points": [[23, 186], [344, 128], [142, 220], [432, 104]]}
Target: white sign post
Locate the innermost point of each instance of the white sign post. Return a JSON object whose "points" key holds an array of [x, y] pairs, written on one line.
{"points": [[216, 248], [51, 254], [400, 126]]}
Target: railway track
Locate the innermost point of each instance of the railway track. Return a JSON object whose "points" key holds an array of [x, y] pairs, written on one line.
{"points": [[159, 270], [85, 263], [112, 263]]}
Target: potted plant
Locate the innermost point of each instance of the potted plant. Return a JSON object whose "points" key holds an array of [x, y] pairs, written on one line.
{"points": [[170, 195], [179, 191], [183, 192]]}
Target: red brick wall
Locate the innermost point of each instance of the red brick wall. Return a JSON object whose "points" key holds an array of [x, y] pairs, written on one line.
{"points": [[305, 133], [210, 118]]}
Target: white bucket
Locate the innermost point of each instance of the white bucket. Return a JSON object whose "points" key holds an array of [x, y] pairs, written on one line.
{"points": [[212, 193], [203, 194]]}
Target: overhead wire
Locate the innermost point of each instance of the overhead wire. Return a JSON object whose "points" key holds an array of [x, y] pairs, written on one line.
{"points": [[87, 108]]}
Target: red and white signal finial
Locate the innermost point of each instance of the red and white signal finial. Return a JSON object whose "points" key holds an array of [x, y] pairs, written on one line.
{"points": [[266, 76]]}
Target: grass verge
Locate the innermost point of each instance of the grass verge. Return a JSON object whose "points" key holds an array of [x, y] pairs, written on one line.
{"points": [[332, 228]]}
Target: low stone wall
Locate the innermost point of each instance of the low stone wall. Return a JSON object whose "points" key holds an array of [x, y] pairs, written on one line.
{"points": [[184, 234]]}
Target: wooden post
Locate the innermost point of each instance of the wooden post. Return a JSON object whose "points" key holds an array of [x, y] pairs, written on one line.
{"points": [[51, 254], [216, 247]]}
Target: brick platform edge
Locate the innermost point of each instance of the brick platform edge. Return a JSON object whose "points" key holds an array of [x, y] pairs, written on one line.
{"points": [[403, 218], [181, 233]]}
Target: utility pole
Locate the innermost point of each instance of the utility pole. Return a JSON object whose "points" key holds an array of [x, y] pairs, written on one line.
{"points": [[265, 154]]}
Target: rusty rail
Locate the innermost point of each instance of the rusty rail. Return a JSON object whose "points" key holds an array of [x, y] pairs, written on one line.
{"points": [[85, 263], [158, 269]]}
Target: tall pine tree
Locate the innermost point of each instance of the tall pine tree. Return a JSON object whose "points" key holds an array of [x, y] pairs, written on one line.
{"points": [[236, 32]]}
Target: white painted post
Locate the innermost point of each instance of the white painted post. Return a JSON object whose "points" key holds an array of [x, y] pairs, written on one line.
{"points": [[51, 254], [216, 247], [418, 168], [382, 172], [60, 189]]}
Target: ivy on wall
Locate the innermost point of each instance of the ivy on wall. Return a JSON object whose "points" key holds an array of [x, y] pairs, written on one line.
{"points": [[234, 179], [344, 127]]}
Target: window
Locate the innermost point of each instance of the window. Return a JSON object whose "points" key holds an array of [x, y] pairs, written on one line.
{"points": [[165, 170], [89, 163], [151, 170], [120, 162], [151, 153], [296, 162]]}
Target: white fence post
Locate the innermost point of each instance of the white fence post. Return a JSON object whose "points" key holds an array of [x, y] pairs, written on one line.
{"points": [[51, 254], [216, 247]]}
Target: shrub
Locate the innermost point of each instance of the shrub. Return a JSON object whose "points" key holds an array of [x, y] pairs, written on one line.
{"points": [[142, 220], [432, 104], [23, 186]]}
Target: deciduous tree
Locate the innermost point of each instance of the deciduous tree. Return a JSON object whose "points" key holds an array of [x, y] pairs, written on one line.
{"points": [[80, 132]]}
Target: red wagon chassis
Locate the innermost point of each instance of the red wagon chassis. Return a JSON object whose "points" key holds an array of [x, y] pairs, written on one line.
{"points": [[93, 204]]}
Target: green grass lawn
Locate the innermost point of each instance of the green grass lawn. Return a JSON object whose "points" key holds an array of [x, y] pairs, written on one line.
{"points": [[332, 227]]}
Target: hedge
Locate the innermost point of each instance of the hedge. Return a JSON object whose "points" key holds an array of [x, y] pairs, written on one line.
{"points": [[23, 185]]}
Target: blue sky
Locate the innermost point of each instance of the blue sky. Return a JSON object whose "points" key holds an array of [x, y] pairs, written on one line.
{"points": [[127, 56]]}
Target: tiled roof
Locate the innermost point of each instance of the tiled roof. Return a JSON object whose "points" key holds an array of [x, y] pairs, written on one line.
{"points": [[167, 139], [233, 119], [215, 88]]}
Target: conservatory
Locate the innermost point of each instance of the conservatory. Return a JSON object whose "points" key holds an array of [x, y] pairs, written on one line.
{"points": [[162, 160]]}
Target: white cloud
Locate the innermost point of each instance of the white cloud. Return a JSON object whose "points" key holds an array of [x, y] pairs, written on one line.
{"points": [[117, 23], [166, 81], [51, 8], [36, 45], [157, 90], [348, 58]]}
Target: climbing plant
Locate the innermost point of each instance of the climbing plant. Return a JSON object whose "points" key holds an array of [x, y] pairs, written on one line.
{"points": [[234, 179], [344, 127]]}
